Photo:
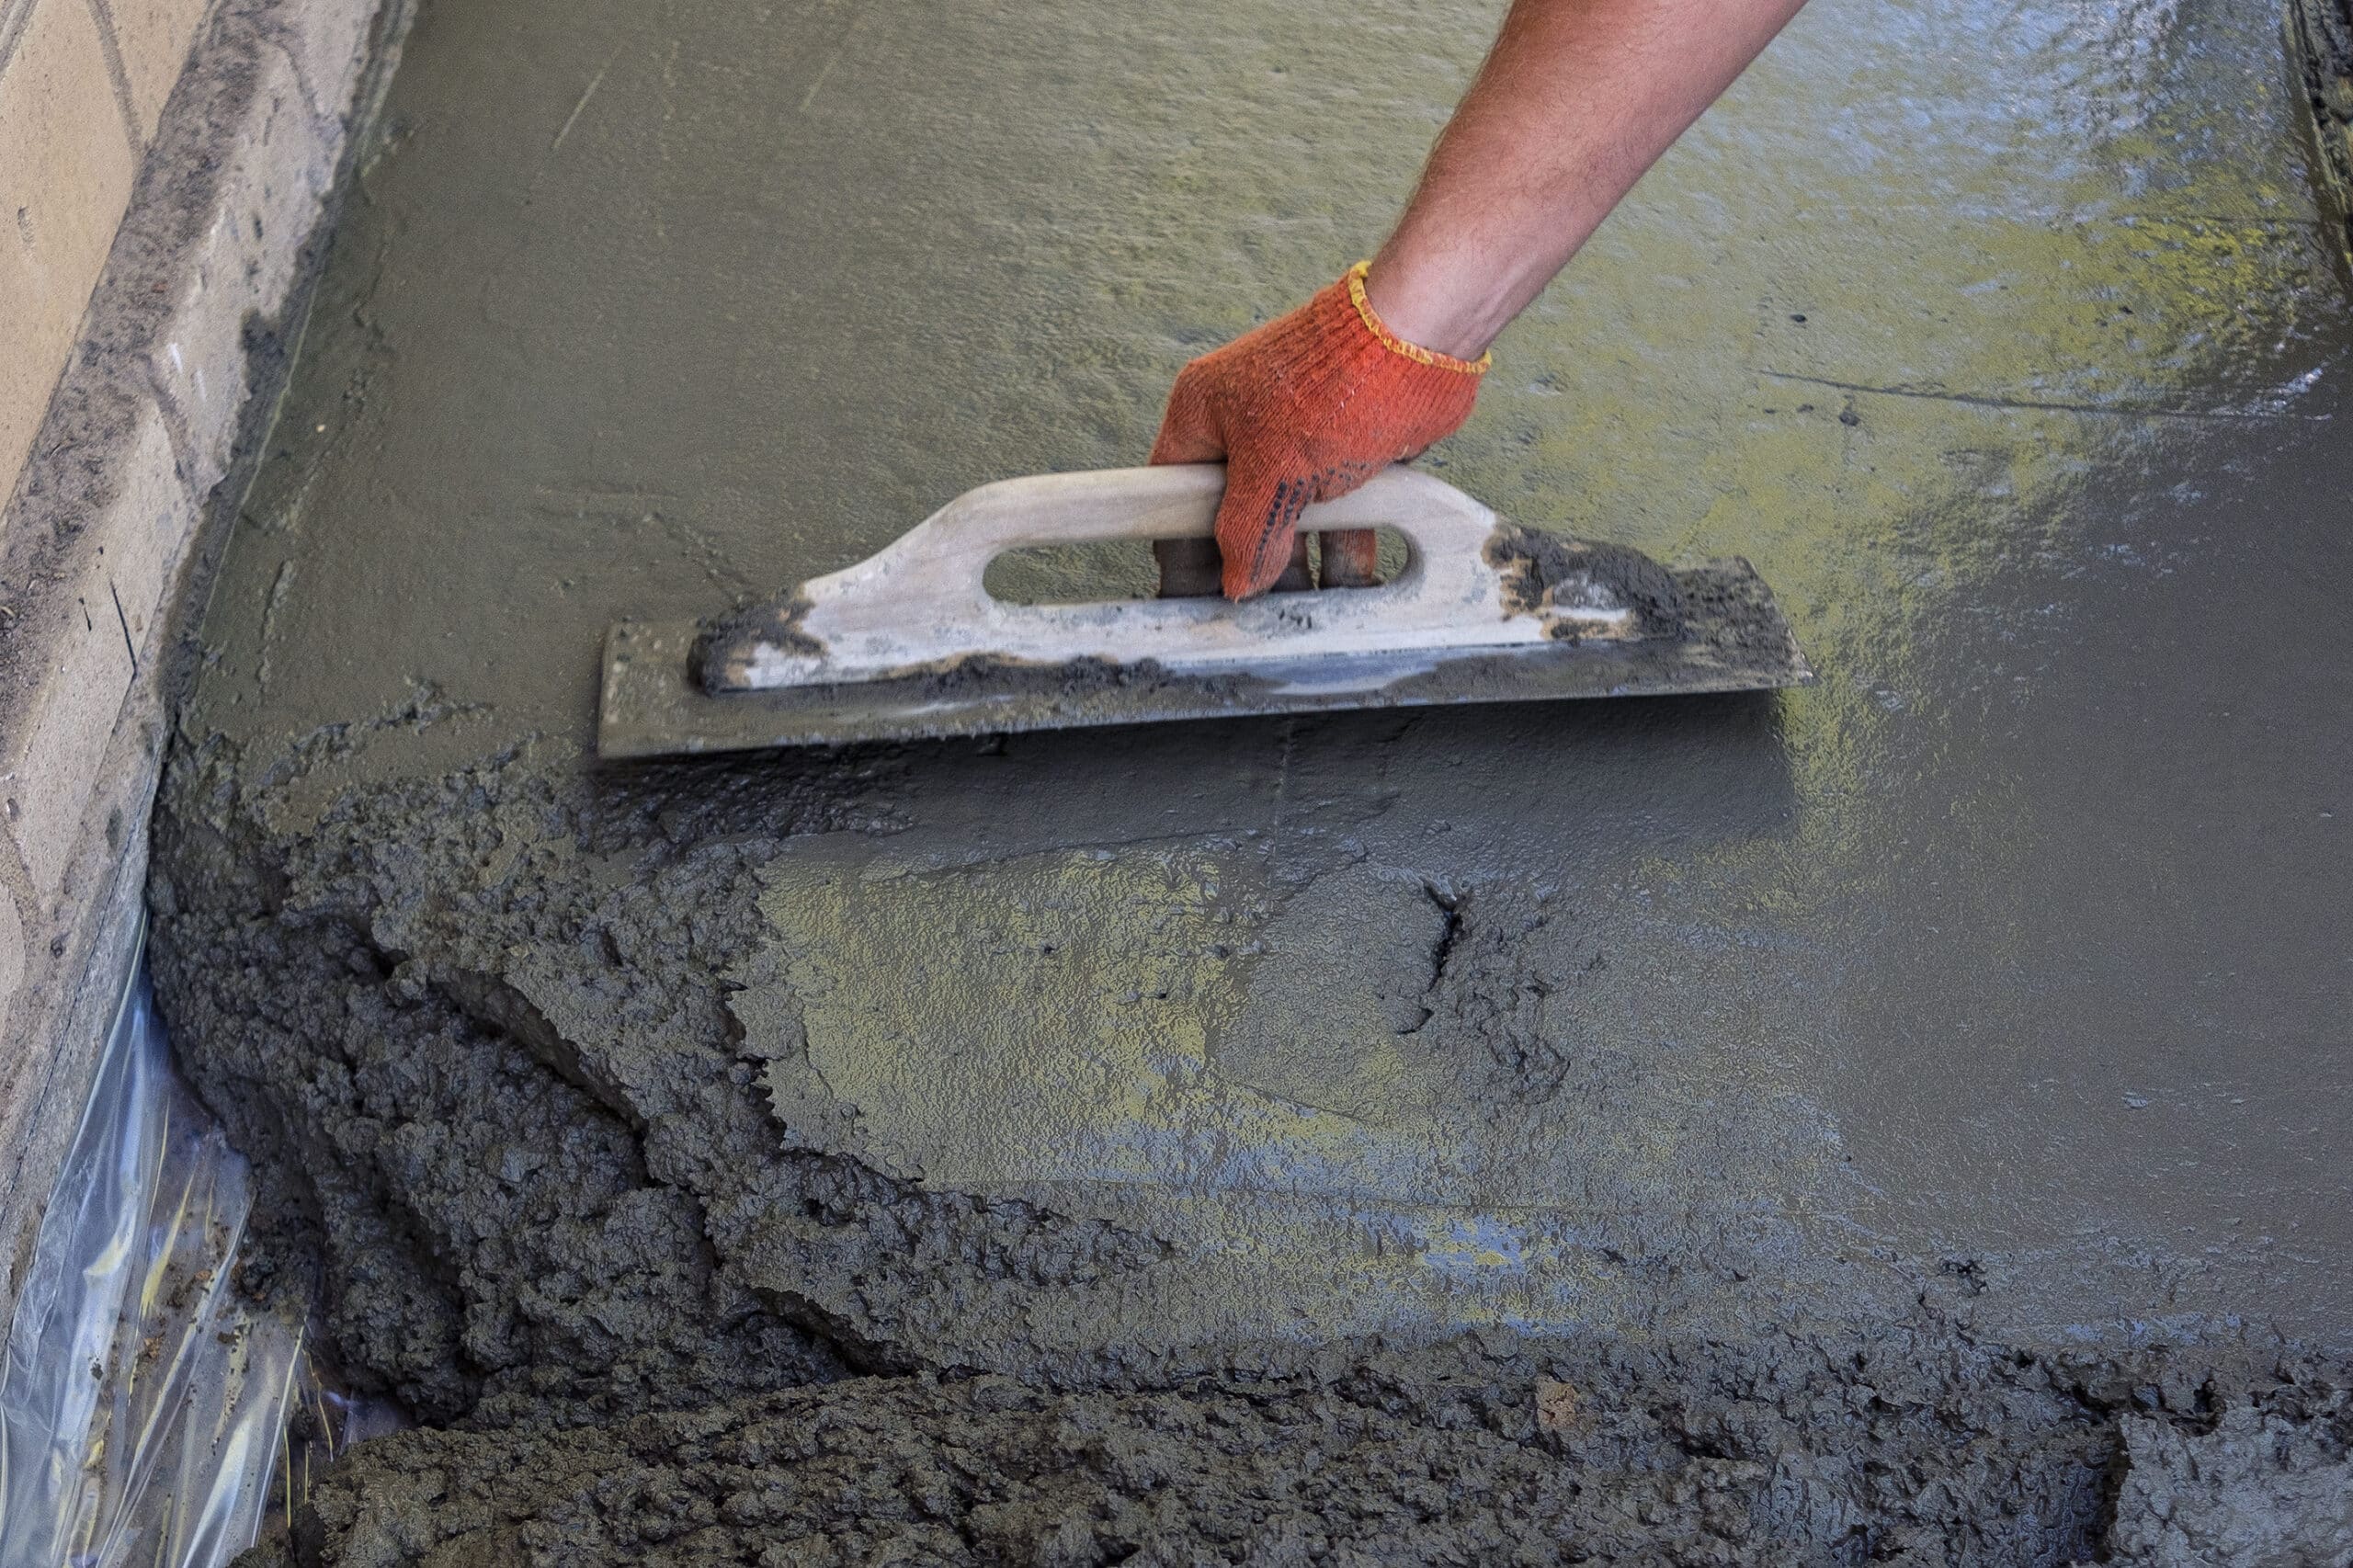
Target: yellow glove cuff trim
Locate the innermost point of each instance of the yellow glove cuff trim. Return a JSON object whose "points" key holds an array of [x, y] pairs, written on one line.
{"points": [[1390, 340]]}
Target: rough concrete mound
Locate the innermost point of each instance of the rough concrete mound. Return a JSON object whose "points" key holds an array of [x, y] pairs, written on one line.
{"points": [[2266, 1484], [1869, 1447], [511, 1050]]}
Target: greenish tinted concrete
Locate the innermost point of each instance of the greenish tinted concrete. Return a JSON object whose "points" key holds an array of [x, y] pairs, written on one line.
{"points": [[2003, 338]]}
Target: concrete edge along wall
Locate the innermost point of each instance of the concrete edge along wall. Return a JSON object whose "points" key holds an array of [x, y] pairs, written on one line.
{"points": [[165, 169]]}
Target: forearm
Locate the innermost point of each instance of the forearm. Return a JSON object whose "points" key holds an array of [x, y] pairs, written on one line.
{"points": [[1576, 100]]}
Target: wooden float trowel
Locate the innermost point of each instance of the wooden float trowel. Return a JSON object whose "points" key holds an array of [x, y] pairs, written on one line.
{"points": [[908, 643]]}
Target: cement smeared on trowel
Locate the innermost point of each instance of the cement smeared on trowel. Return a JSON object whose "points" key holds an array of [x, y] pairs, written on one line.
{"points": [[908, 643]]}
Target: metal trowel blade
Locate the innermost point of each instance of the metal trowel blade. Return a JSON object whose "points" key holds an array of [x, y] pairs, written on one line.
{"points": [[1733, 637]]}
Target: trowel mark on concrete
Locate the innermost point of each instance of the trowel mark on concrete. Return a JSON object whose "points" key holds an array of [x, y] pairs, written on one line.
{"points": [[280, 586], [586, 94], [1331, 1097], [1332, 986]]}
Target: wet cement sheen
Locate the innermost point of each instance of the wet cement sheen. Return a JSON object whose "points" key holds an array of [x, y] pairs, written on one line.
{"points": [[2004, 967]]}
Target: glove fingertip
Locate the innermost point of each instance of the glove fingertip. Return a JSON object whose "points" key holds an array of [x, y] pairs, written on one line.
{"points": [[1256, 523]]}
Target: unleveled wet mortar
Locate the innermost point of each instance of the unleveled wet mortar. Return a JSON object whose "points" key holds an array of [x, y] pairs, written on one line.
{"points": [[1945, 1061]]}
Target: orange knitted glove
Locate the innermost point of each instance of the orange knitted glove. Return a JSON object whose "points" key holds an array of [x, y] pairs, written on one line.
{"points": [[1305, 408]]}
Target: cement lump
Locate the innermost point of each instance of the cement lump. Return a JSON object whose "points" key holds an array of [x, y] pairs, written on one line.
{"points": [[1884, 1447]]}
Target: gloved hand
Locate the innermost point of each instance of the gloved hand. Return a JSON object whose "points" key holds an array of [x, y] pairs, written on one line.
{"points": [[1305, 408]]}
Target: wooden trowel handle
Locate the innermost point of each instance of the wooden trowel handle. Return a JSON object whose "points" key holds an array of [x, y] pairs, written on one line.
{"points": [[950, 549], [920, 604]]}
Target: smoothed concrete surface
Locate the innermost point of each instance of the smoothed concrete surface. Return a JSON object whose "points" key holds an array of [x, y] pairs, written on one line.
{"points": [[2000, 977]]}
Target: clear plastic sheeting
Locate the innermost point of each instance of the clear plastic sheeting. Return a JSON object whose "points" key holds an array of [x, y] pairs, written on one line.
{"points": [[142, 1402], [322, 1423]]}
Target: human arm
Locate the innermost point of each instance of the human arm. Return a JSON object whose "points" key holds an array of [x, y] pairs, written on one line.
{"points": [[1576, 101]]}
